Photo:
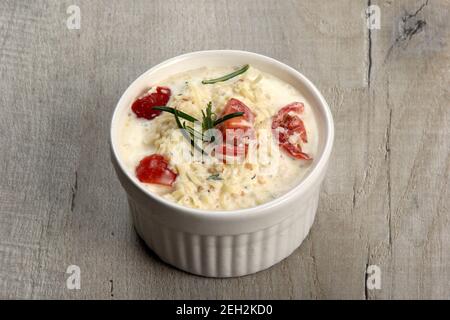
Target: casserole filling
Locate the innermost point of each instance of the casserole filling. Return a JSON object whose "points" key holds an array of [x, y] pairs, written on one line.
{"points": [[219, 138]]}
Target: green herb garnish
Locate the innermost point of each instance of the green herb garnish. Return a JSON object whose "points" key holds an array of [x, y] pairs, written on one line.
{"points": [[208, 118], [181, 114], [215, 177], [185, 131], [227, 117], [228, 76], [209, 121]]}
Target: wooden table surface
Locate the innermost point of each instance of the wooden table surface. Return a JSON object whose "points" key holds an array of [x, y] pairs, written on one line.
{"points": [[384, 202]]}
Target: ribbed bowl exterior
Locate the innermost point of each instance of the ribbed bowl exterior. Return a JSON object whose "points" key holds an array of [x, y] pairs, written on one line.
{"points": [[225, 255]]}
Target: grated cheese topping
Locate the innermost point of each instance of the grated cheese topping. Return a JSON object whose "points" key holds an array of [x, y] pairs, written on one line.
{"points": [[208, 183]]}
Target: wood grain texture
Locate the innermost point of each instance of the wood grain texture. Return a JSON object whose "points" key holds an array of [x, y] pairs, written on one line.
{"points": [[385, 200]]}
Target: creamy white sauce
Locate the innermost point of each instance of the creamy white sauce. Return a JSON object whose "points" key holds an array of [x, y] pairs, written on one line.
{"points": [[261, 178]]}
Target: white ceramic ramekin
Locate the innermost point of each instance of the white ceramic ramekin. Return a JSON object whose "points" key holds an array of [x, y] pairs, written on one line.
{"points": [[226, 243]]}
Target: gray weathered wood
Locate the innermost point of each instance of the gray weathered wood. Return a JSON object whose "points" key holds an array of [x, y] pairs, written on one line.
{"points": [[385, 200]]}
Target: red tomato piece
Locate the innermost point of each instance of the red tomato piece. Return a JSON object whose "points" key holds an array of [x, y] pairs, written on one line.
{"points": [[236, 132], [243, 122], [295, 151], [287, 123], [143, 107], [154, 169]]}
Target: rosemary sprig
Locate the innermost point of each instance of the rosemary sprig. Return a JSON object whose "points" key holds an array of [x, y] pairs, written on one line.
{"points": [[181, 114], [228, 76], [208, 118], [209, 121], [195, 133], [215, 176], [227, 117], [184, 132]]}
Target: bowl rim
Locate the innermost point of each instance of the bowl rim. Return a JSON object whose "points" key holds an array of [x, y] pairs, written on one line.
{"points": [[251, 212]]}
